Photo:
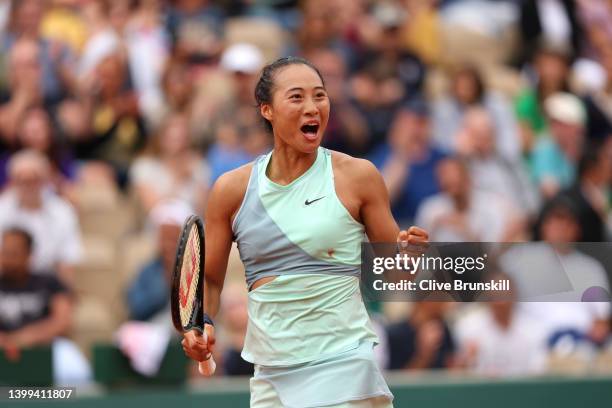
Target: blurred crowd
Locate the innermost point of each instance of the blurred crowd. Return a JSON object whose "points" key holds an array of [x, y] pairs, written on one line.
{"points": [[490, 120]]}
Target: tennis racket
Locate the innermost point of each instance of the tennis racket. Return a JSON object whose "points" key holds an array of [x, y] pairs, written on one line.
{"points": [[187, 297]]}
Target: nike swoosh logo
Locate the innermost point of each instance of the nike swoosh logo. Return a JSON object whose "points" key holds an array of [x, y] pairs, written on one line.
{"points": [[315, 200]]}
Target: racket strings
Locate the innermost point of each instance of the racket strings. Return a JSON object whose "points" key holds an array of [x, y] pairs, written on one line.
{"points": [[190, 276]]}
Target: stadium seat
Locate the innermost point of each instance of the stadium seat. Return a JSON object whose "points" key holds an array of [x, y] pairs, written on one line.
{"points": [[34, 368]]}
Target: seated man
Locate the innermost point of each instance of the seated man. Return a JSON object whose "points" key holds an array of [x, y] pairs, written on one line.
{"points": [[555, 157], [148, 296], [461, 213], [422, 340], [30, 204], [36, 310], [408, 161], [562, 287], [500, 339]]}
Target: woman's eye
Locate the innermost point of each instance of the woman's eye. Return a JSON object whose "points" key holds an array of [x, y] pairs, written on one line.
{"points": [[321, 95], [295, 96]]}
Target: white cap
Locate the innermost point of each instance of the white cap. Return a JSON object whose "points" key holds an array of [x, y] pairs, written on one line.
{"points": [[566, 108], [242, 57]]}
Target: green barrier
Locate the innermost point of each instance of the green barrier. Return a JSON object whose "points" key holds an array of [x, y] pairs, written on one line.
{"points": [[411, 391], [112, 368], [34, 367]]}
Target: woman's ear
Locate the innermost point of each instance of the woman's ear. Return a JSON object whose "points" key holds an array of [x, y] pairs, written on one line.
{"points": [[266, 112]]}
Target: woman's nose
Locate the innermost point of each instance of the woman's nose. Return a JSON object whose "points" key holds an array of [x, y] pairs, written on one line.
{"points": [[310, 107]]}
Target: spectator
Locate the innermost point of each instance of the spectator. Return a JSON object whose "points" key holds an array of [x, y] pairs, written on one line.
{"points": [[320, 28], [422, 340], [500, 339], [489, 170], [196, 29], [589, 193], [117, 131], [461, 213], [386, 76], [30, 204], [177, 87], [172, 169], [148, 47], [408, 161], [101, 41], [558, 294], [55, 60], [24, 91], [36, 132], [468, 90], [551, 66], [148, 295], [228, 94], [242, 61], [36, 310], [554, 158]]}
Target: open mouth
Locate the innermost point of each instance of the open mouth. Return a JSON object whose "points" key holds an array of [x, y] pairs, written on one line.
{"points": [[310, 130]]}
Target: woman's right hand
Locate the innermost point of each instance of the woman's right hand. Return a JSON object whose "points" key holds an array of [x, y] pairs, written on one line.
{"points": [[199, 347]]}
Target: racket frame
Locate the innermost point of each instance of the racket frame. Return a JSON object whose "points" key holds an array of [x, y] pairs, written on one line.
{"points": [[196, 320]]}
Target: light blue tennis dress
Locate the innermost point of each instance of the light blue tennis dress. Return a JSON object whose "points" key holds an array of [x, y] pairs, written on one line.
{"points": [[309, 334]]}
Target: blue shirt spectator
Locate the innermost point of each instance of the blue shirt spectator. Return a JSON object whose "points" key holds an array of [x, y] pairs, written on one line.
{"points": [[149, 293], [420, 183], [549, 161], [408, 160]]}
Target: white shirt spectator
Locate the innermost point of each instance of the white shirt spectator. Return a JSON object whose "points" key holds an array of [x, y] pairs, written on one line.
{"points": [[553, 285], [448, 115], [54, 228], [507, 179], [487, 218], [518, 349]]}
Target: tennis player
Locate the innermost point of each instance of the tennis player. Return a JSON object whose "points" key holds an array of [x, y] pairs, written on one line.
{"points": [[299, 215]]}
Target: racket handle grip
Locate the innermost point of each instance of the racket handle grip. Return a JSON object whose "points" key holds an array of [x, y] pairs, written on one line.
{"points": [[207, 367]]}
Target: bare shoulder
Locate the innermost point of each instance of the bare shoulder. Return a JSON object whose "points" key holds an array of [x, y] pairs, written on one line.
{"points": [[228, 191], [354, 169]]}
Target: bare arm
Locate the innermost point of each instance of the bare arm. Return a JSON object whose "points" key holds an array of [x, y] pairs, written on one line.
{"points": [[371, 198], [224, 200], [218, 234]]}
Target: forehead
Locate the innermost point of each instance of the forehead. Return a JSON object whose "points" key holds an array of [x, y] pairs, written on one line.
{"points": [[297, 76]]}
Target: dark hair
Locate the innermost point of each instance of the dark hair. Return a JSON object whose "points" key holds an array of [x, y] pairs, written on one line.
{"points": [[265, 84], [559, 203], [27, 237]]}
